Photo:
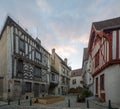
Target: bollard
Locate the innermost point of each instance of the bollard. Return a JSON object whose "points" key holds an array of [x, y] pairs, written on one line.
{"points": [[8, 101], [68, 102], [87, 103], [18, 101], [109, 105], [30, 102]]}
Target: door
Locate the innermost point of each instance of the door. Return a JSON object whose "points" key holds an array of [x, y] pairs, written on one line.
{"points": [[97, 87], [17, 90], [36, 90], [1, 87]]}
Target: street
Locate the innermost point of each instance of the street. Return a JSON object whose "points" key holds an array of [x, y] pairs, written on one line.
{"points": [[58, 105]]}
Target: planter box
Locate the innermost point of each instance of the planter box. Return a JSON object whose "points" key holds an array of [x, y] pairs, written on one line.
{"points": [[47, 100]]}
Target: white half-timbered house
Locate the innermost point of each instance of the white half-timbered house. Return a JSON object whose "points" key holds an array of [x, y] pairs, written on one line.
{"points": [[23, 63], [104, 50]]}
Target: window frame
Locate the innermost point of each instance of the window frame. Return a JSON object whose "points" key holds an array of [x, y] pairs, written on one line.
{"points": [[102, 82], [40, 59], [74, 81], [22, 47], [28, 86], [36, 74]]}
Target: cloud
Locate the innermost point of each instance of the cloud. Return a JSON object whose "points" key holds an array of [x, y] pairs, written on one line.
{"points": [[43, 4], [62, 24], [64, 50], [80, 39]]}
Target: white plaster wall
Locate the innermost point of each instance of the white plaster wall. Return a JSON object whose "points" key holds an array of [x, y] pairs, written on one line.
{"points": [[112, 83], [9, 50], [78, 84]]}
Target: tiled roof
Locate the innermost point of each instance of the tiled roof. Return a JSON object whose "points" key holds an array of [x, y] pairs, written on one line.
{"points": [[107, 24], [76, 72]]}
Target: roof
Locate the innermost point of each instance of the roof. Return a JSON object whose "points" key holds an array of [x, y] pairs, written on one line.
{"points": [[85, 54], [63, 61], [76, 72], [107, 24], [10, 21]]}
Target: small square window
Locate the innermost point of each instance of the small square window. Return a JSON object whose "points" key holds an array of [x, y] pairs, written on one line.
{"points": [[74, 81]]}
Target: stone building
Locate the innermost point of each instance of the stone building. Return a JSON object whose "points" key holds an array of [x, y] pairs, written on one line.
{"points": [[76, 81], [23, 63], [61, 72]]}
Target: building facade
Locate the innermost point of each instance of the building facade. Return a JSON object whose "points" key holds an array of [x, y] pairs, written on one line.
{"points": [[54, 78], [104, 49], [62, 71], [86, 66], [76, 80], [23, 63]]}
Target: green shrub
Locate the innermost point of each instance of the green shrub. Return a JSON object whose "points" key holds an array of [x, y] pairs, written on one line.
{"points": [[86, 93], [101, 100]]}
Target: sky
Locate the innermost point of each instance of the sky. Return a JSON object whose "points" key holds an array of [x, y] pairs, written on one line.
{"points": [[61, 24]]}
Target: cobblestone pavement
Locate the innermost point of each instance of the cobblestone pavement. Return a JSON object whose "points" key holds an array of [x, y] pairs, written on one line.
{"points": [[64, 104], [58, 105]]}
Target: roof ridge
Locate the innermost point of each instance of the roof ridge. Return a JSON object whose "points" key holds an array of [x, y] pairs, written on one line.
{"points": [[107, 20], [112, 23]]}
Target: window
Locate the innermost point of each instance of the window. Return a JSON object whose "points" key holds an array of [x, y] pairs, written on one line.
{"points": [[102, 82], [119, 44], [67, 81], [38, 55], [20, 66], [63, 70], [37, 72], [97, 59], [63, 79], [67, 73], [114, 39], [53, 77], [22, 45], [28, 87], [96, 85], [74, 81], [20, 69]]}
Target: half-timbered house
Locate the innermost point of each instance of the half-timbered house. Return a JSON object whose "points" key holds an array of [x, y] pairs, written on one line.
{"points": [[23, 63], [104, 50]]}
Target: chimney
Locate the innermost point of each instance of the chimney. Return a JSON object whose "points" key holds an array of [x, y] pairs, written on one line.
{"points": [[53, 50], [38, 41], [65, 60]]}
